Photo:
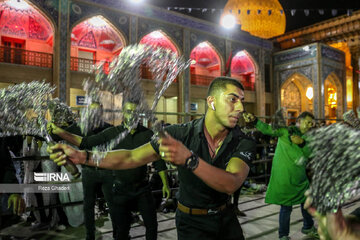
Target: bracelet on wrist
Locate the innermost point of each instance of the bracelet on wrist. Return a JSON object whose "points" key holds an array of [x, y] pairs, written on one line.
{"points": [[87, 157], [192, 162]]}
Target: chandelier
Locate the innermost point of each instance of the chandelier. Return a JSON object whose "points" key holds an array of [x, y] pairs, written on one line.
{"points": [[261, 18]]}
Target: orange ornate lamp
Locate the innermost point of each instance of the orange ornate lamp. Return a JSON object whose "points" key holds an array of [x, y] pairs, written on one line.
{"points": [[261, 18]]}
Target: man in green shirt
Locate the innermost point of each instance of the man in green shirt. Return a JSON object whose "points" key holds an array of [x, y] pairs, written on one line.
{"points": [[131, 186], [288, 180], [212, 156]]}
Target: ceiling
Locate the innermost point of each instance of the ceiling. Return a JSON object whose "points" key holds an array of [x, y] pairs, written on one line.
{"points": [[293, 22]]}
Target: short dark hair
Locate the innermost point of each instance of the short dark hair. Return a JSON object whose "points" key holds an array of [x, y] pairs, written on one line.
{"points": [[304, 115], [220, 83], [133, 98]]}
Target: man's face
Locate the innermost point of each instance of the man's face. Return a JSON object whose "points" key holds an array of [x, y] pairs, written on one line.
{"points": [[229, 105], [129, 109], [305, 124]]}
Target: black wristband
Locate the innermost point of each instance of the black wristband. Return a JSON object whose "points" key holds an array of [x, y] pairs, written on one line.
{"points": [[87, 157], [192, 162], [302, 144]]}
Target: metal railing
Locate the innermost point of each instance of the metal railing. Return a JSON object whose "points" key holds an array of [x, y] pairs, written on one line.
{"points": [[201, 80], [25, 57], [86, 65], [145, 73]]}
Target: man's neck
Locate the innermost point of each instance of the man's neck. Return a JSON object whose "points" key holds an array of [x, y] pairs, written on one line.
{"points": [[128, 128], [215, 129]]}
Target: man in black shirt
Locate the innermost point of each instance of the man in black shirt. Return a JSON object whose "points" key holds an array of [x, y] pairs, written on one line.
{"points": [[93, 178], [213, 159], [7, 174], [131, 186]]}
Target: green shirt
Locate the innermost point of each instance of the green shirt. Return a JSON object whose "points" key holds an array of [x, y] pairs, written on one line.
{"points": [[193, 192], [288, 180], [141, 136]]}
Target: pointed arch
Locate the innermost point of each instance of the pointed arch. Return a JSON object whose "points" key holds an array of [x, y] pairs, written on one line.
{"points": [[245, 69], [159, 38], [206, 64], [332, 80], [94, 39], [26, 27], [296, 102]]}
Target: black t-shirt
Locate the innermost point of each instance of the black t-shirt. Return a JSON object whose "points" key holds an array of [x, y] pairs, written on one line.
{"points": [[193, 192], [141, 136], [7, 170]]}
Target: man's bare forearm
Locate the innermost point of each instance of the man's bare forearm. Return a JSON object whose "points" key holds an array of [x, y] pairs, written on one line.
{"points": [[219, 179], [164, 178], [69, 137], [125, 159]]}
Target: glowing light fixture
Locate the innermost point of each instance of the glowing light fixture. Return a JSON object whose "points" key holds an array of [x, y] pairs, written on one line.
{"points": [[332, 98], [203, 45], [156, 34], [136, 1], [349, 90], [309, 93], [97, 21], [240, 54], [18, 4], [264, 19], [228, 21]]}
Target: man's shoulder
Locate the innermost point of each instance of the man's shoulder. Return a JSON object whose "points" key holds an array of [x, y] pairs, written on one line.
{"points": [[187, 125], [144, 130], [107, 125], [241, 136]]}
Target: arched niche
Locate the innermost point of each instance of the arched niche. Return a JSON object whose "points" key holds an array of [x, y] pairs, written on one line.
{"points": [[296, 95], [25, 32], [244, 68], [157, 38], [333, 97], [93, 40], [205, 64]]}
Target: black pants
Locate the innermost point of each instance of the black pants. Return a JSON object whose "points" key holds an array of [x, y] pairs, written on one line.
{"points": [[144, 203], [220, 226], [92, 180]]}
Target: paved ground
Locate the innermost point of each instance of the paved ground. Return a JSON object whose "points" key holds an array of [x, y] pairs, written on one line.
{"points": [[260, 223]]}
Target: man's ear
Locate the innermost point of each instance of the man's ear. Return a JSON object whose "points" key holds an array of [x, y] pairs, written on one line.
{"points": [[210, 101]]}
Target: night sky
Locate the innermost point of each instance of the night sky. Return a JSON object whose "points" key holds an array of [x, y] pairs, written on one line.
{"points": [[292, 22]]}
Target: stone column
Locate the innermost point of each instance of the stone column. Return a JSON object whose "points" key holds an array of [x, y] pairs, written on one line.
{"points": [[355, 63], [185, 81], [63, 90], [133, 29], [260, 85]]}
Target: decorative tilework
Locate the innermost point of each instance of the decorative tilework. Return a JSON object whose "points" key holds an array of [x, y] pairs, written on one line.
{"points": [[63, 49], [236, 47], [218, 43], [51, 7], [297, 54], [327, 70], [340, 75], [316, 87], [147, 26], [184, 21], [306, 71], [267, 57], [80, 11], [133, 30], [332, 54], [186, 77]]}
